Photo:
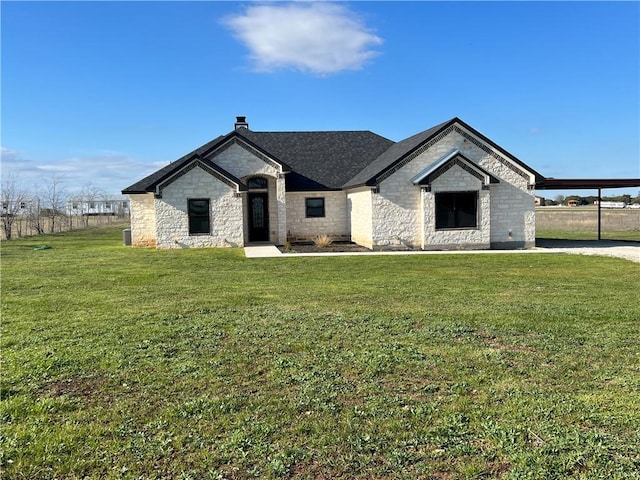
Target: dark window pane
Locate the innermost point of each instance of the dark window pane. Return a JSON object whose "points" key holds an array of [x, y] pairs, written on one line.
{"points": [[456, 209], [257, 182], [314, 207], [199, 216]]}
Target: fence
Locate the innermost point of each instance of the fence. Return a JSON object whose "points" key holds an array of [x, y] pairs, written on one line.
{"points": [[23, 227]]}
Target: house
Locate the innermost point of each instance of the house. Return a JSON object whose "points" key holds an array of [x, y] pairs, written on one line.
{"points": [[22, 207], [97, 205], [539, 201], [447, 187]]}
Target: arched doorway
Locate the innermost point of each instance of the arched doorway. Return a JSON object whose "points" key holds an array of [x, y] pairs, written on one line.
{"points": [[258, 209]]}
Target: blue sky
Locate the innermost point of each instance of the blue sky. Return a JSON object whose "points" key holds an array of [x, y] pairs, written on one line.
{"points": [[104, 93]]}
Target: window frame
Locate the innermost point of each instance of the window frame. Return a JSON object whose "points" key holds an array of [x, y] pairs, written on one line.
{"points": [[308, 209], [457, 204], [198, 216]]}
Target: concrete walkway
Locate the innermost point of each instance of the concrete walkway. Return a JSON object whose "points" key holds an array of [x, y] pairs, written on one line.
{"points": [[626, 250]]}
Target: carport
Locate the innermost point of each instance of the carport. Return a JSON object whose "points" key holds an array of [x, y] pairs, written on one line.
{"points": [[586, 184]]}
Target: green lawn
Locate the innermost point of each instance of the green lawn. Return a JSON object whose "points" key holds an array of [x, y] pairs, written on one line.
{"points": [[202, 364]]}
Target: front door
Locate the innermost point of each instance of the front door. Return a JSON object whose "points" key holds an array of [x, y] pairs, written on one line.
{"points": [[258, 217]]}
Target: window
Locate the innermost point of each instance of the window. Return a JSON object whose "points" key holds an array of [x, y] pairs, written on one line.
{"points": [[257, 183], [314, 207], [74, 206], [199, 216], [456, 210]]}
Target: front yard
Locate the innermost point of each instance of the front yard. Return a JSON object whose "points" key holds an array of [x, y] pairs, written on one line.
{"points": [[137, 363]]}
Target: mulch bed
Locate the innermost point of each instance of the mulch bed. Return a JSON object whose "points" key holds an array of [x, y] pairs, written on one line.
{"points": [[313, 248]]}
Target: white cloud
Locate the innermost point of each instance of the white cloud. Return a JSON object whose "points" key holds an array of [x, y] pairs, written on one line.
{"points": [[321, 38], [108, 171]]}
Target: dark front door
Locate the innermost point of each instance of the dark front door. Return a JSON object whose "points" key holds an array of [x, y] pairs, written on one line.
{"points": [[258, 217]]}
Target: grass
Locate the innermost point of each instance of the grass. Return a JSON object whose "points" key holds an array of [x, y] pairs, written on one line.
{"points": [[588, 234], [581, 223], [140, 363]]}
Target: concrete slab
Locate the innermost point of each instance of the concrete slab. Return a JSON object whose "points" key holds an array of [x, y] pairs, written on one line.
{"points": [[626, 251], [262, 251]]}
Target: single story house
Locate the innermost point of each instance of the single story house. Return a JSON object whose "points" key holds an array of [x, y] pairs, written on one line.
{"points": [[447, 187]]}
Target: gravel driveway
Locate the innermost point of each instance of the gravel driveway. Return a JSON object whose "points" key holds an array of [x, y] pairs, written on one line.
{"points": [[607, 248]]}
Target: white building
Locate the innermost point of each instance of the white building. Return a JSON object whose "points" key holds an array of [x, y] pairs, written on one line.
{"points": [[447, 187], [103, 205]]}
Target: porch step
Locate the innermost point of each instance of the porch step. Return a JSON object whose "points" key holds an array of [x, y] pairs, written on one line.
{"points": [[261, 251]]}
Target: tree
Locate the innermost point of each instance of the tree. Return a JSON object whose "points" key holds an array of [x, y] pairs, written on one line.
{"points": [[89, 195], [54, 196], [14, 200], [34, 216], [559, 199]]}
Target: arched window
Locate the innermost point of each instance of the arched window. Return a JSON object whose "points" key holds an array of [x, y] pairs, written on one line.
{"points": [[257, 183]]}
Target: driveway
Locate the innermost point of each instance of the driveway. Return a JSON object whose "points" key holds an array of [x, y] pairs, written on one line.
{"points": [[606, 248]]}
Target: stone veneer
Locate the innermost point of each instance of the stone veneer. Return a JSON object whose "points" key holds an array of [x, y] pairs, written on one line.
{"points": [[172, 220], [360, 206], [335, 223], [398, 214], [456, 180], [243, 164], [143, 220], [510, 223]]}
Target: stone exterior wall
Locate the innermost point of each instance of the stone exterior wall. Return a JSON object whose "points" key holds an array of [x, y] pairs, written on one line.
{"points": [[143, 220], [401, 214], [243, 164], [360, 209], [335, 223], [172, 221], [456, 180]]}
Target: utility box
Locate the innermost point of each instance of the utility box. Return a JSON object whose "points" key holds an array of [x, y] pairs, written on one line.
{"points": [[126, 237]]}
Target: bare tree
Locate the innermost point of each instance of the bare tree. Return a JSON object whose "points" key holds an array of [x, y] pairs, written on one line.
{"points": [[34, 216], [89, 196], [54, 196], [14, 200]]}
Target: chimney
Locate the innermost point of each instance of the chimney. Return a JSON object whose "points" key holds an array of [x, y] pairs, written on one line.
{"points": [[241, 122]]}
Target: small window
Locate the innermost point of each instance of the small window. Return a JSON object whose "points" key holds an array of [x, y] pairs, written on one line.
{"points": [[107, 206], [23, 205], [74, 206], [125, 205], [257, 183], [314, 207], [92, 205], [199, 221], [456, 210]]}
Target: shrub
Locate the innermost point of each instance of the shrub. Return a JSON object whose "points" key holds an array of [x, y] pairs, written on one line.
{"points": [[322, 241]]}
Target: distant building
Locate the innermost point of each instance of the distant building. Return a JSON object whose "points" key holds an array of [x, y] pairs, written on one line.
{"points": [[105, 205], [539, 201], [19, 208], [573, 202]]}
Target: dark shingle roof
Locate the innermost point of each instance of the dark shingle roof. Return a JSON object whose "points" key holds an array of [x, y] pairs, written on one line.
{"points": [[395, 152], [320, 160], [148, 183]]}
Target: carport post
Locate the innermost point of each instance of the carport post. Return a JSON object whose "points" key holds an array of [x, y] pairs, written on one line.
{"points": [[599, 214]]}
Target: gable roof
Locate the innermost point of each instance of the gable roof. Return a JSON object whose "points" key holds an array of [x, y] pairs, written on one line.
{"points": [[455, 157], [157, 180], [329, 160], [402, 151]]}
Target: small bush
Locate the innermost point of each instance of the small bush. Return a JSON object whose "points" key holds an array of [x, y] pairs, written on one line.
{"points": [[322, 241]]}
